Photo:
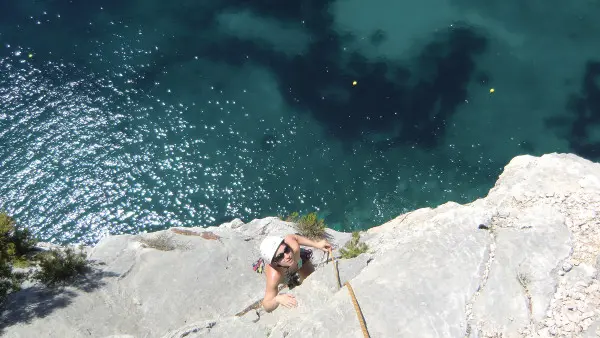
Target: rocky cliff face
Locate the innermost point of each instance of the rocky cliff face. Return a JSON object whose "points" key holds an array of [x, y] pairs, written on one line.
{"points": [[523, 261]]}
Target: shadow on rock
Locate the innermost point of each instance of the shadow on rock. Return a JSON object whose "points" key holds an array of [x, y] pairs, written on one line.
{"points": [[38, 301]]}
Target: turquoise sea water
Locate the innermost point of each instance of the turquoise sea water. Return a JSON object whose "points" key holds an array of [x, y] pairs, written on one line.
{"points": [[129, 116]]}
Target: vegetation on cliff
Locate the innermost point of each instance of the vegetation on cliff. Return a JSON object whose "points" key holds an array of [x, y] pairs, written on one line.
{"points": [[21, 260], [309, 225], [354, 247]]}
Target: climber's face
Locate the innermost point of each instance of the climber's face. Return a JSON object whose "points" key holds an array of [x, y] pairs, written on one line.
{"points": [[284, 256]]}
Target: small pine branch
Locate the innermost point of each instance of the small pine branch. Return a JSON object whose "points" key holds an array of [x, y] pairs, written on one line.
{"points": [[354, 247], [309, 225]]}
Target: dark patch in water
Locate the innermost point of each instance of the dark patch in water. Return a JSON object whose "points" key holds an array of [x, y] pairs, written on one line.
{"points": [[585, 109], [483, 78], [383, 102], [377, 37], [527, 147]]}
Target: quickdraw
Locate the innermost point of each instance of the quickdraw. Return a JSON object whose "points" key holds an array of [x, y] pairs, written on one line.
{"points": [[259, 266]]}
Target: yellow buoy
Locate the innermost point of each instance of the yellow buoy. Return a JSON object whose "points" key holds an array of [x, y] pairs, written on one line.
{"points": [[30, 56], [354, 83], [492, 90]]}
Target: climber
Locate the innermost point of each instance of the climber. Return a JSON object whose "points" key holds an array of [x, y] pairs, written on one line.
{"points": [[286, 263]]}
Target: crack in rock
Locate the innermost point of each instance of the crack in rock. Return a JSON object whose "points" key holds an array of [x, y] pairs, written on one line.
{"points": [[482, 283]]}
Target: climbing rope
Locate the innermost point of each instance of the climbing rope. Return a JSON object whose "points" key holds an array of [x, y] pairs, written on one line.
{"points": [[337, 273], [359, 314]]}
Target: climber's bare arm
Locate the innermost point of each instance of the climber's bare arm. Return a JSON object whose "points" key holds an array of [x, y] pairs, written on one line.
{"points": [[270, 303], [272, 298], [301, 240]]}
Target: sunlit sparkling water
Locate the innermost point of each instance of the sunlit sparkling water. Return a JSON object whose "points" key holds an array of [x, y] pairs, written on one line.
{"points": [[110, 124], [82, 157]]}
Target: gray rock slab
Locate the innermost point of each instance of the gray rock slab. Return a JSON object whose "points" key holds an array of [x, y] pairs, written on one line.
{"points": [[522, 278], [220, 327], [420, 288], [593, 331], [582, 273], [431, 272]]}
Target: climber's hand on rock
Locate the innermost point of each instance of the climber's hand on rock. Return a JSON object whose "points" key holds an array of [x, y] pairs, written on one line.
{"points": [[324, 245], [286, 300]]}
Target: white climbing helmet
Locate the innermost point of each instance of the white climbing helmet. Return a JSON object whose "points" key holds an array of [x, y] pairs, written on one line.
{"points": [[269, 247]]}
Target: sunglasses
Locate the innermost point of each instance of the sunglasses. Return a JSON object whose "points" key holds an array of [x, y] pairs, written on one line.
{"points": [[281, 255]]}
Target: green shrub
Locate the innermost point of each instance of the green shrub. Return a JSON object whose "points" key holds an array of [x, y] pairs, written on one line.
{"points": [[17, 251], [353, 248], [6, 223], [21, 262], [24, 241], [7, 247], [9, 281], [309, 225], [293, 217], [14, 241], [59, 267], [15, 244]]}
